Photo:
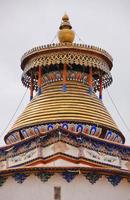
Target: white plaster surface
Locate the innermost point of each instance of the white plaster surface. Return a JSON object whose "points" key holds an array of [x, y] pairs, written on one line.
{"points": [[77, 189]]}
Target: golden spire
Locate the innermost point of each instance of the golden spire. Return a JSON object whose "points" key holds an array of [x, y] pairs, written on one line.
{"points": [[66, 34]]}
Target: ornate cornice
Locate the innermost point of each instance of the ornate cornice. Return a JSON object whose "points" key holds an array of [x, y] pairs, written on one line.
{"points": [[86, 148], [44, 174], [54, 48]]}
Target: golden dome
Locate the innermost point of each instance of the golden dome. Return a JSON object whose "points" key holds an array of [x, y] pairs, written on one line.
{"points": [[73, 105], [66, 34]]}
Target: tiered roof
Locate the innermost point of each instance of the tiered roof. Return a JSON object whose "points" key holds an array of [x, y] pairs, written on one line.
{"points": [[66, 127]]}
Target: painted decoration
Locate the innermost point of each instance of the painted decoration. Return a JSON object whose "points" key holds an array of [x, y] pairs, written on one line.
{"points": [[92, 177], [114, 179], [44, 176], [69, 176], [20, 177]]}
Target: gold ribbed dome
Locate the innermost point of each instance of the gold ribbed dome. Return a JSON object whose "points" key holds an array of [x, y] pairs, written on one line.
{"points": [[55, 105], [83, 69], [66, 34]]}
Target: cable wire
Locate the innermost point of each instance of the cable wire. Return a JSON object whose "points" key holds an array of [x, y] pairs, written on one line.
{"points": [[3, 132], [53, 39], [122, 119], [79, 38]]}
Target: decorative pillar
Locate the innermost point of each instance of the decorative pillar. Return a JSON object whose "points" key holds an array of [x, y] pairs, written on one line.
{"points": [[31, 87], [100, 89], [64, 77], [39, 80], [90, 80]]}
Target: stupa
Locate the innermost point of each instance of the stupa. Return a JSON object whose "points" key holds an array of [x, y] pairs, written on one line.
{"points": [[65, 143]]}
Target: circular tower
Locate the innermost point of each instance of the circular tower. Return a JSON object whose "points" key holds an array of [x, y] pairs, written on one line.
{"points": [[65, 134], [66, 77]]}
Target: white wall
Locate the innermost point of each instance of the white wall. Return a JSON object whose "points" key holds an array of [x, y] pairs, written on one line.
{"points": [[78, 189]]}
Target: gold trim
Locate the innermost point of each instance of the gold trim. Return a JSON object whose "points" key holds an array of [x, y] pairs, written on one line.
{"points": [[55, 105]]}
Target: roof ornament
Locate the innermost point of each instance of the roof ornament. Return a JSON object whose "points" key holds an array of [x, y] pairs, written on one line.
{"points": [[66, 34]]}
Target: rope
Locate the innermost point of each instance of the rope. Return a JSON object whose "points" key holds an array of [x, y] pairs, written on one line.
{"points": [[79, 38], [3, 132], [53, 39], [122, 119]]}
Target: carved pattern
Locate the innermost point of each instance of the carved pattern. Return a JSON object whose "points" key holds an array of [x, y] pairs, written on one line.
{"points": [[44, 176], [72, 46], [69, 176], [20, 177], [84, 128], [2, 180], [76, 54], [57, 76], [114, 179], [63, 57], [92, 177]]}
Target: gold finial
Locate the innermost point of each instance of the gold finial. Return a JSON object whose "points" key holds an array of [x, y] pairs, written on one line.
{"points": [[66, 34], [65, 17]]}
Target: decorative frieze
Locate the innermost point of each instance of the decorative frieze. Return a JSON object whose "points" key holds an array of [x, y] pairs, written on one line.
{"points": [[55, 76], [92, 149], [48, 47], [92, 177], [2, 180], [44, 176], [22, 157], [20, 177], [114, 179], [69, 176], [87, 129]]}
